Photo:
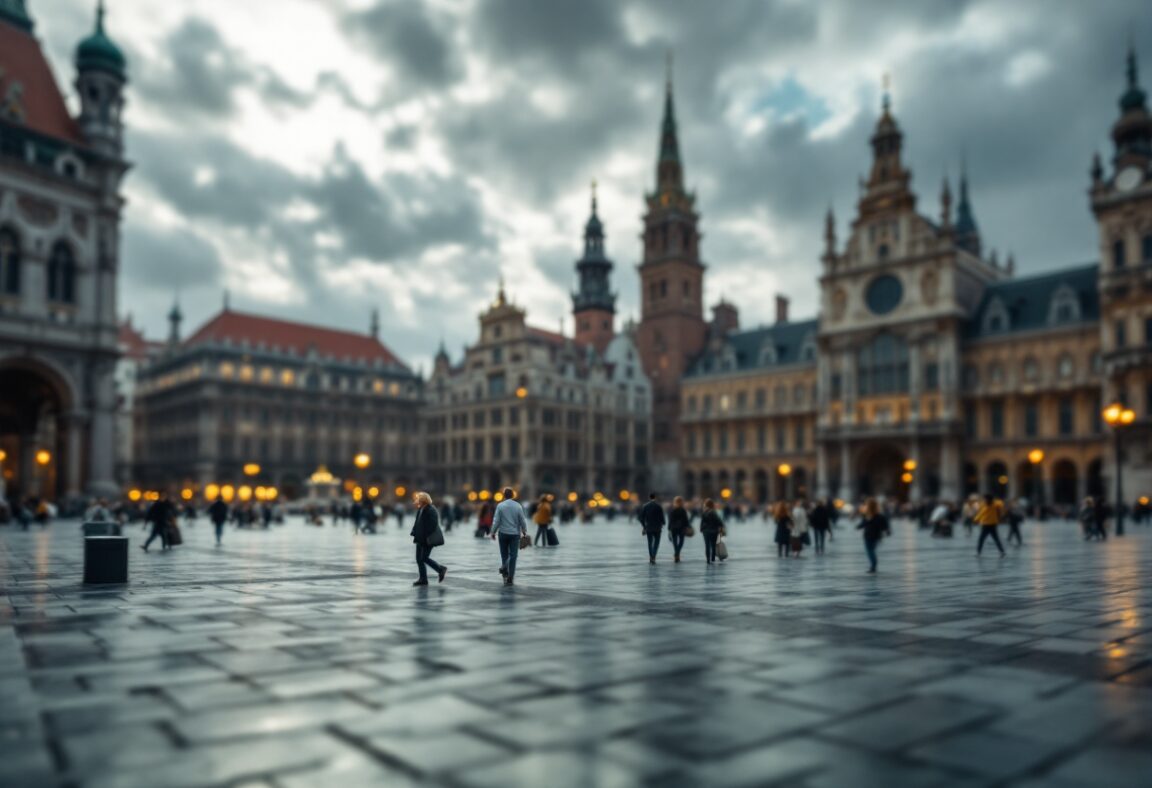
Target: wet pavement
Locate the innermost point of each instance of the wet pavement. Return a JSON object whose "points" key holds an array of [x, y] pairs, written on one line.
{"points": [[302, 656]]}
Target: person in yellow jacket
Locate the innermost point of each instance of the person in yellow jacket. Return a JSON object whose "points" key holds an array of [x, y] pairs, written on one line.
{"points": [[988, 517], [543, 520]]}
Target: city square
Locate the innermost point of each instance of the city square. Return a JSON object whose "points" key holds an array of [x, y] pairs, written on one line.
{"points": [[303, 656]]}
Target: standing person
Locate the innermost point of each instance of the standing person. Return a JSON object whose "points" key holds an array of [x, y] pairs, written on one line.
{"points": [[543, 519], [988, 517], [426, 534], [484, 519], [1087, 517], [678, 525], [98, 512], [1015, 518], [652, 521], [799, 528], [875, 527], [711, 526], [820, 520], [783, 522], [508, 524], [160, 514], [218, 514], [1100, 518]]}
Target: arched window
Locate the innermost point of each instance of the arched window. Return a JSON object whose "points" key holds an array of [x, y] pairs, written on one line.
{"points": [[62, 274], [9, 262], [1031, 370], [884, 366], [1064, 307]]}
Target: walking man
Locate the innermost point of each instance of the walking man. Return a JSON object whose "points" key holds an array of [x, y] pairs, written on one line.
{"points": [[988, 517], [161, 514], [509, 523], [652, 520], [218, 514]]}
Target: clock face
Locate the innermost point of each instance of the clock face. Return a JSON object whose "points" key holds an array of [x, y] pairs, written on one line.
{"points": [[1129, 178], [884, 294]]}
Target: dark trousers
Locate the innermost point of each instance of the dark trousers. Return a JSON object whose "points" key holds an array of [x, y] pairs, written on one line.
{"points": [[542, 535], [219, 531], [653, 543], [870, 549], [985, 532], [677, 538], [710, 545], [158, 531], [1014, 531], [784, 548], [424, 560], [820, 533], [509, 549]]}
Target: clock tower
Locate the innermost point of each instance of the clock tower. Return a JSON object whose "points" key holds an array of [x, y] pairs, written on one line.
{"points": [[672, 329], [1121, 198]]}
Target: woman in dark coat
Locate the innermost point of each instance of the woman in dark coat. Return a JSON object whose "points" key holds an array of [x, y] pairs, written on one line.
{"points": [[875, 527], [425, 531], [711, 526], [678, 526], [783, 519]]}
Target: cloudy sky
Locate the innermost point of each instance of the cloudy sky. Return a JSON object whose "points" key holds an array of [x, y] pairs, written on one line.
{"points": [[318, 158]]}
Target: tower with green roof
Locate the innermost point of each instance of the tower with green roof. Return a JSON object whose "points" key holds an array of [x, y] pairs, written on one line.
{"points": [[101, 75]]}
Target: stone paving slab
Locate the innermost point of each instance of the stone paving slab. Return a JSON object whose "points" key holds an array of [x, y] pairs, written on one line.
{"points": [[302, 656]]}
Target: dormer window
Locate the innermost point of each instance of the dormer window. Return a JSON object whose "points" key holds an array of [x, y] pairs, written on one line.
{"points": [[1064, 307], [808, 349], [768, 353], [995, 317]]}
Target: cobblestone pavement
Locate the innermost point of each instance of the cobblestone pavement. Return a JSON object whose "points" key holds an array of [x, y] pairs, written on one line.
{"points": [[302, 656]]}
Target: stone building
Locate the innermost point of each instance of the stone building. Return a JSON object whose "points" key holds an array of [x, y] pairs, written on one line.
{"points": [[60, 209], [932, 370], [246, 390], [540, 411]]}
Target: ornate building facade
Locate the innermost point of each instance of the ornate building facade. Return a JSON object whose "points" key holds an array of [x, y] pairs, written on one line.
{"points": [[60, 209], [250, 400], [540, 411], [932, 370]]}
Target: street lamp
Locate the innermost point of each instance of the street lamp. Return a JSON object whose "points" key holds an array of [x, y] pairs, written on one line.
{"points": [[785, 470], [251, 469], [1117, 416], [1036, 456], [361, 460]]}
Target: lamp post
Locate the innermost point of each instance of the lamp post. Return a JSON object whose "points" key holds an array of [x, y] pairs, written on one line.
{"points": [[362, 460], [785, 471], [1117, 417], [1036, 456]]}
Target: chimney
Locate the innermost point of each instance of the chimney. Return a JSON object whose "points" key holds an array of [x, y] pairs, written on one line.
{"points": [[781, 309]]}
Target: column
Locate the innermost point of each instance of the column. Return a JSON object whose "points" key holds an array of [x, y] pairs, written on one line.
{"points": [[914, 380], [102, 435], [848, 378], [949, 469], [73, 425], [847, 483], [823, 489]]}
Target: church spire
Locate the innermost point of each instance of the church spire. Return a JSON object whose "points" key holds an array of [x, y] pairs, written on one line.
{"points": [[669, 169], [888, 186], [594, 303], [967, 231], [1132, 133]]}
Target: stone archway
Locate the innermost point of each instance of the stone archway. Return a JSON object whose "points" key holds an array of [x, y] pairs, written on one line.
{"points": [[1095, 486], [880, 467], [761, 483], [42, 445], [996, 479], [1065, 481]]}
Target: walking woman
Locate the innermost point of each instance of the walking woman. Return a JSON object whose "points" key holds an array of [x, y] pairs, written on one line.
{"points": [[799, 528], [711, 526], [820, 520], [678, 526], [875, 527], [783, 522], [988, 517], [426, 534], [161, 516], [543, 520]]}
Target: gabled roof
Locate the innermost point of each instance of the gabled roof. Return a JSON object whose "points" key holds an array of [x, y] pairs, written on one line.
{"points": [[134, 345], [551, 337], [298, 338], [1027, 302], [760, 348], [23, 62]]}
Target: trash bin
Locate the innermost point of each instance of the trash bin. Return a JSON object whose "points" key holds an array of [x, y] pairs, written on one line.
{"points": [[105, 560]]}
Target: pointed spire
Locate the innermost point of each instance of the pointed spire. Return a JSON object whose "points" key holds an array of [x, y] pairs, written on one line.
{"points": [[967, 232], [886, 100], [501, 299], [374, 327], [227, 300], [100, 16], [1010, 266], [1132, 132], [829, 233], [669, 176], [1097, 170], [174, 318], [945, 204]]}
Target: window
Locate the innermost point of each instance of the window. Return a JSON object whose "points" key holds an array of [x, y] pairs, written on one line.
{"points": [[707, 442], [996, 317], [798, 436], [971, 377], [1148, 331], [1064, 307], [996, 419], [497, 355], [970, 423], [996, 373], [723, 442], [1121, 332], [1067, 417], [761, 439], [837, 385], [496, 386], [1031, 370], [707, 403], [761, 398], [1118, 257], [740, 442], [1146, 248], [741, 400], [691, 444], [1031, 420], [1065, 367], [780, 396], [780, 437], [9, 262], [478, 419], [62, 274], [883, 366], [798, 394], [931, 376], [691, 404], [663, 288]]}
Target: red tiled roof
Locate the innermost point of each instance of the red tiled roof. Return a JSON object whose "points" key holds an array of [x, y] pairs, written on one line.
{"points": [[44, 109], [134, 344], [546, 335], [298, 338]]}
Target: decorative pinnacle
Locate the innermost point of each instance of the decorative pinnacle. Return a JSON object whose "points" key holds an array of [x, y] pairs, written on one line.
{"points": [[100, 16], [886, 102], [1132, 69], [593, 196], [668, 77]]}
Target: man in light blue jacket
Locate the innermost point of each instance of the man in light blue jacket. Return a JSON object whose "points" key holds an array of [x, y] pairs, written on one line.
{"points": [[509, 523]]}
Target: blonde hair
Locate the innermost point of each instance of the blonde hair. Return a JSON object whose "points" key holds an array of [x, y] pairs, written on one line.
{"points": [[423, 497], [871, 508]]}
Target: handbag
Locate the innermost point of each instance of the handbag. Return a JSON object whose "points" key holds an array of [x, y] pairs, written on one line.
{"points": [[174, 535], [721, 549], [689, 531], [436, 538], [525, 541]]}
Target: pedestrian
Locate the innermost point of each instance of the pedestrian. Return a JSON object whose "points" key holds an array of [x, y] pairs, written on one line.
{"points": [[652, 524], [543, 519], [484, 519], [160, 514], [98, 512], [1015, 517], [783, 520], [799, 528], [875, 527], [820, 520], [426, 534], [988, 517], [218, 514], [941, 520], [1099, 519], [678, 525], [711, 527], [1087, 517], [509, 524]]}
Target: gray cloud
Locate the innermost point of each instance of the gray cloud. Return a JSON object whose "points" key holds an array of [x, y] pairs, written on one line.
{"points": [[409, 36]]}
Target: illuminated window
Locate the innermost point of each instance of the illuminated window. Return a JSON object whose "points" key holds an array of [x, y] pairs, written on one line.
{"points": [[287, 377], [378, 386], [227, 369], [246, 372], [266, 375]]}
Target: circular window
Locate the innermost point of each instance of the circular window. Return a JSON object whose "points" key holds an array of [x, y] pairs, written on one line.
{"points": [[884, 294]]}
